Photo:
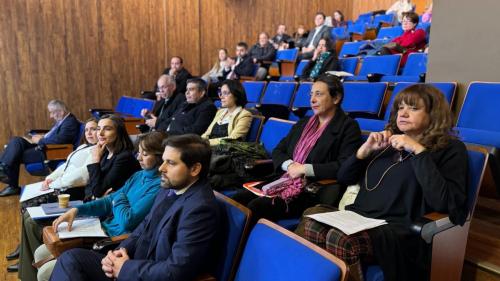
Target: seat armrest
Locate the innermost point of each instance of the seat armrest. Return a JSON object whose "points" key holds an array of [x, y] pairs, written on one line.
{"points": [[430, 225], [247, 78], [115, 240], [57, 151], [262, 162]]}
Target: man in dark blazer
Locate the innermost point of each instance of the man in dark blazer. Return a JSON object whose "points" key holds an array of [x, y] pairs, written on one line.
{"points": [[244, 62], [195, 114], [31, 149], [176, 241], [168, 102], [320, 31], [180, 74]]}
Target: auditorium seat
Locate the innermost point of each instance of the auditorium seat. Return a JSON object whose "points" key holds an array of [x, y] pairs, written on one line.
{"points": [[301, 101], [389, 32], [255, 128], [253, 90], [350, 48], [275, 254], [377, 66], [414, 70], [349, 64], [126, 107], [363, 98], [478, 119], [376, 125], [276, 100]]}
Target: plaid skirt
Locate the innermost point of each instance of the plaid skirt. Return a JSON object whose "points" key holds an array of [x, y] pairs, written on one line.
{"points": [[350, 248]]}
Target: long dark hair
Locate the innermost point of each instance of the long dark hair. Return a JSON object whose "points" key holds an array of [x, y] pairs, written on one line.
{"points": [[122, 141]]}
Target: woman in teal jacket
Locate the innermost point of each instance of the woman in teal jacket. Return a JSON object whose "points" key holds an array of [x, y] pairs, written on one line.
{"points": [[123, 209]]}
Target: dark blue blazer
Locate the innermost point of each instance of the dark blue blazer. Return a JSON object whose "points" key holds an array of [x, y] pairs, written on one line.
{"points": [[184, 239], [67, 132]]}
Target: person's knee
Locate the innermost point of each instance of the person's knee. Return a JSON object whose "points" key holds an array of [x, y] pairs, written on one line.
{"points": [[45, 271]]}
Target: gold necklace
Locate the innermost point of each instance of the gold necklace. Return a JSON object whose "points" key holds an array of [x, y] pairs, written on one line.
{"points": [[400, 160]]}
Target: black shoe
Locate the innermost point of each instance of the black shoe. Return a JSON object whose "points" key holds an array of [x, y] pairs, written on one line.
{"points": [[14, 255], [10, 190], [13, 267], [3, 174]]}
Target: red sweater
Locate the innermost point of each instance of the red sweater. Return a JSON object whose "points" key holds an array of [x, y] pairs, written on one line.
{"points": [[412, 40]]}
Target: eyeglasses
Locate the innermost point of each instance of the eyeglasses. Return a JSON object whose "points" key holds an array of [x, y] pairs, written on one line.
{"points": [[224, 94]]}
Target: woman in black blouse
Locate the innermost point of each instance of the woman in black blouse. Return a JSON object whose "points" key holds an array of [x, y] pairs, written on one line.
{"points": [[414, 167], [113, 160]]}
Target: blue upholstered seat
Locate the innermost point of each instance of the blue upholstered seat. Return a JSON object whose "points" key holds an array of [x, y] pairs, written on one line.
{"points": [[273, 253]]}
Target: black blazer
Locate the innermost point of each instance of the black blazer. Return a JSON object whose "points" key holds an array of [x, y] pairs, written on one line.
{"points": [[110, 173], [169, 109], [192, 118], [331, 63], [339, 140], [245, 67], [67, 132]]}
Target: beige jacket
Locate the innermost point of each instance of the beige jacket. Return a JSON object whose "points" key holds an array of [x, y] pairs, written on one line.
{"points": [[238, 126]]}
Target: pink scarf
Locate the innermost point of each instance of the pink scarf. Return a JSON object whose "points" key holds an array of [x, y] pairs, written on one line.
{"points": [[293, 187]]}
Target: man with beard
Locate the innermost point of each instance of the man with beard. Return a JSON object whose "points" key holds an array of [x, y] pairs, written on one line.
{"points": [[176, 239]]}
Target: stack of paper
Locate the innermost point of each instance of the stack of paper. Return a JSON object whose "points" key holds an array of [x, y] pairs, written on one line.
{"points": [[347, 221], [81, 228], [33, 190]]}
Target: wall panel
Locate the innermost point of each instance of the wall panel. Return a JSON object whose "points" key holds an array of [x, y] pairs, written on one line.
{"points": [[226, 22], [85, 52]]}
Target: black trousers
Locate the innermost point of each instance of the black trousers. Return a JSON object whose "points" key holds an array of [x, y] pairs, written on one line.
{"points": [[19, 151]]}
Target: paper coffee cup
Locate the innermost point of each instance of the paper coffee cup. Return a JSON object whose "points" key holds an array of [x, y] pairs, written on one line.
{"points": [[63, 200]]}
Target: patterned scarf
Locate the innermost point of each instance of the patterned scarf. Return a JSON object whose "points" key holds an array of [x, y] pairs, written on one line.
{"points": [[315, 72], [293, 187]]}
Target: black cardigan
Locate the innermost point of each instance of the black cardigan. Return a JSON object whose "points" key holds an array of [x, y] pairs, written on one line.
{"points": [[339, 140], [427, 182], [110, 173]]}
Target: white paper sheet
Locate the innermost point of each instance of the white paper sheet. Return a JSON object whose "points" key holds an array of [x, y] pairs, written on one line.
{"points": [[347, 221], [33, 190], [90, 227]]}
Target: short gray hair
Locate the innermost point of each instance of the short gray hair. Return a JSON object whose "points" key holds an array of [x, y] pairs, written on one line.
{"points": [[58, 105], [169, 79]]}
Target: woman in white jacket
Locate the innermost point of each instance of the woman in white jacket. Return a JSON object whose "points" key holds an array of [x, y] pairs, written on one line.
{"points": [[74, 173]]}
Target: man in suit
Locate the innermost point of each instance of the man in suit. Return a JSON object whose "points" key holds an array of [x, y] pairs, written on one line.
{"points": [[167, 103], [179, 73], [31, 149], [195, 114], [176, 241], [320, 31]]}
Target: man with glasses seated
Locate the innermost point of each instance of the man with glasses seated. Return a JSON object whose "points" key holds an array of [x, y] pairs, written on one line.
{"points": [[31, 149], [168, 100]]}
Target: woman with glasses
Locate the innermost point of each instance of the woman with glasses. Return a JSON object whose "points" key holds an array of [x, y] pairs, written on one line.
{"points": [[411, 41], [232, 121]]}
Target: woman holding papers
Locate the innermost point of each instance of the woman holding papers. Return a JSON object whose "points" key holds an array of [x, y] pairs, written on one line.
{"points": [[414, 167], [122, 210], [73, 173], [313, 150]]}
